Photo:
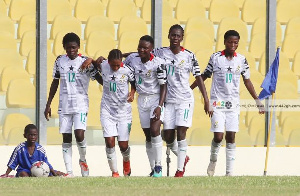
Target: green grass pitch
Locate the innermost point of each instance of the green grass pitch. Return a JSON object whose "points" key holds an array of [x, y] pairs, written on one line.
{"points": [[243, 185]]}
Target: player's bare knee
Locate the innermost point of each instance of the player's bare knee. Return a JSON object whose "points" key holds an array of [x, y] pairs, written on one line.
{"points": [[24, 174], [230, 137], [67, 138]]}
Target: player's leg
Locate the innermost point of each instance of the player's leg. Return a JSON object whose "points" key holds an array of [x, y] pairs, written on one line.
{"points": [[169, 128], [65, 127], [217, 127], [80, 127], [232, 126], [157, 144], [23, 174], [149, 149], [124, 128]]}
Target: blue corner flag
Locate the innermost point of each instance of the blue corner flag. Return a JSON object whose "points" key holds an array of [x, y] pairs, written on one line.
{"points": [[270, 81]]}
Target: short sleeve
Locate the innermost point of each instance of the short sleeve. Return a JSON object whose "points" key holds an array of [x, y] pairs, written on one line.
{"points": [[56, 72], [195, 66], [13, 161], [245, 69], [161, 72], [209, 68], [130, 73]]}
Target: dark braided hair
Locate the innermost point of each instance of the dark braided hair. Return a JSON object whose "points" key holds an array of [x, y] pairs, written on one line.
{"points": [[176, 26], [29, 127], [114, 54], [71, 37], [231, 33], [147, 38]]}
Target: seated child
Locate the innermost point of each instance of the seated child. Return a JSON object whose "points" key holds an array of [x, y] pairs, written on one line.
{"points": [[26, 153]]}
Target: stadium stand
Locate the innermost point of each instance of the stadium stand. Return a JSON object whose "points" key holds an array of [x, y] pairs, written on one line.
{"points": [[116, 9], [220, 9], [239, 3], [206, 4], [28, 42], [203, 58], [233, 23], [257, 124], [7, 2], [7, 41], [19, 8], [53, 136], [293, 26], [294, 138], [139, 3], [27, 23], [290, 124], [220, 44], [242, 138], [173, 3], [290, 45], [31, 63], [167, 22], [7, 24], [186, 9], [65, 23], [195, 41], [132, 23], [103, 53], [105, 2], [3, 8], [284, 64], [287, 9], [167, 10], [257, 45], [296, 64], [99, 41], [58, 7], [253, 9], [15, 136], [200, 137], [199, 23], [12, 58], [72, 3], [87, 8], [129, 41], [99, 23]]}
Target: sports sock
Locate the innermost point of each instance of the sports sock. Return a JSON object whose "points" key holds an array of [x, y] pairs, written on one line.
{"points": [[82, 149], [174, 147], [230, 157], [150, 154], [112, 159], [157, 149], [214, 150], [182, 148], [126, 154], [67, 156]]}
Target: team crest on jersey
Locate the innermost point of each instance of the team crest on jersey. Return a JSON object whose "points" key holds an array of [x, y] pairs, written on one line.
{"points": [[216, 124], [122, 79], [148, 74], [181, 63], [238, 69]]}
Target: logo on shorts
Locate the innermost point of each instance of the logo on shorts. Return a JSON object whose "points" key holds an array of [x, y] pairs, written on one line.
{"points": [[216, 124], [228, 104]]}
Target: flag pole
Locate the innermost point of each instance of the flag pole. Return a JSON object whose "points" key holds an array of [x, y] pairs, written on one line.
{"points": [[268, 140]]}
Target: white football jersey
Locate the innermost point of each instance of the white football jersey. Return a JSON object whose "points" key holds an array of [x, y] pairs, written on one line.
{"points": [[149, 76], [178, 68], [116, 88], [73, 93], [226, 73]]}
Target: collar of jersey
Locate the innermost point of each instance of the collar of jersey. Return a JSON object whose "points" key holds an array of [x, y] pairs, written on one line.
{"points": [[223, 53]]}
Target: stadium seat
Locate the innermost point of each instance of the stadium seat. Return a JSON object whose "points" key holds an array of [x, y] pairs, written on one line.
{"points": [[249, 57], [53, 136], [99, 41], [58, 7], [7, 24], [294, 138], [279, 139], [129, 41], [103, 53], [293, 26], [3, 8], [203, 58], [58, 47], [105, 2], [286, 87], [256, 125], [18, 8], [12, 58], [87, 8], [50, 60], [7, 41], [296, 64], [10, 73], [253, 9], [72, 3], [167, 22], [31, 62], [220, 44], [167, 10], [28, 42], [284, 63], [195, 41], [200, 137], [259, 26], [67, 24], [93, 122], [27, 23], [7, 2], [287, 9], [116, 9], [206, 4], [12, 121], [290, 124], [257, 45], [132, 23], [15, 136], [173, 3], [137, 136], [239, 3], [189, 8], [99, 23], [198, 23], [237, 24], [139, 3], [285, 114], [19, 87], [291, 45], [220, 9], [243, 139]]}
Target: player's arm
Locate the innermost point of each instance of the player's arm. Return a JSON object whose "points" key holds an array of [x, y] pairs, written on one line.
{"points": [[99, 78], [132, 91], [202, 89], [194, 85], [251, 90], [162, 80], [6, 173], [52, 92]]}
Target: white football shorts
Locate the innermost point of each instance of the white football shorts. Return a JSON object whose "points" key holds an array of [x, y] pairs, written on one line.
{"points": [[225, 121], [146, 106], [178, 115], [66, 122]]}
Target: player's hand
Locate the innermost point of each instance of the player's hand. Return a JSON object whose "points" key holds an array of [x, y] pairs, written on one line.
{"points": [[130, 97], [47, 112], [99, 61], [157, 113], [208, 109], [260, 106], [4, 176], [85, 65]]}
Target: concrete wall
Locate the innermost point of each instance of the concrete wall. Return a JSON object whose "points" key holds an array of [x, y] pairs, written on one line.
{"points": [[249, 161]]}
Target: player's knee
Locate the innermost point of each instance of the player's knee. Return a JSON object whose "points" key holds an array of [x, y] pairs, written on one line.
{"points": [[230, 137], [67, 138], [24, 174], [218, 139]]}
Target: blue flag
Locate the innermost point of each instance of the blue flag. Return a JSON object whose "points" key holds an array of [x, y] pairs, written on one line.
{"points": [[270, 81]]}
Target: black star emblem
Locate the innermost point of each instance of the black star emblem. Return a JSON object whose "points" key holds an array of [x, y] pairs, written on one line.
{"points": [[229, 69], [113, 78], [140, 71], [173, 61], [71, 68]]}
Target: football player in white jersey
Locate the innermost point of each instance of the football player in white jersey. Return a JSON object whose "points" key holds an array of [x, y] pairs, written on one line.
{"points": [[73, 100], [150, 74], [179, 104], [226, 67]]}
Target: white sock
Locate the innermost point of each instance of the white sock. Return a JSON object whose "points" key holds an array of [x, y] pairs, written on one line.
{"points": [[126, 154], [174, 147], [150, 154], [112, 159], [67, 155], [230, 157], [182, 148], [82, 149], [214, 150], [157, 149]]}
